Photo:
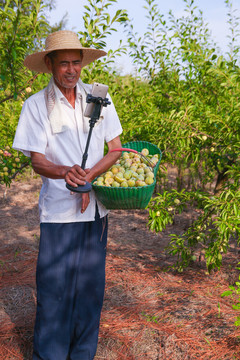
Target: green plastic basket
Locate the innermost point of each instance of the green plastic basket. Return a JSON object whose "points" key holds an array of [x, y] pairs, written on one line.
{"points": [[131, 197]]}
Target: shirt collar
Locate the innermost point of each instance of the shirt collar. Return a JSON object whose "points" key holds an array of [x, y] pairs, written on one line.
{"points": [[79, 92], [59, 95]]}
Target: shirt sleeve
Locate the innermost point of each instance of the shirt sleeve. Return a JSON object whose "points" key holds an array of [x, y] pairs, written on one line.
{"points": [[30, 134], [112, 122]]}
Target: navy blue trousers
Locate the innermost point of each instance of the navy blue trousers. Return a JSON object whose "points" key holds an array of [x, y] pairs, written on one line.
{"points": [[70, 289]]}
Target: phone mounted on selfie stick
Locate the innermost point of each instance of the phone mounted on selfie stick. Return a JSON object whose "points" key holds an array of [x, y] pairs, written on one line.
{"points": [[98, 102]]}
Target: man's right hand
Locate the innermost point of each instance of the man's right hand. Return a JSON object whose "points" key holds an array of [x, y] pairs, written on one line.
{"points": [[73, 175], [76, 176]]}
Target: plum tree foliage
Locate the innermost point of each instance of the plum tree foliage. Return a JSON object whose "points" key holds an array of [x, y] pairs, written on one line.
{"points": [[188, 105], [22, 27]]}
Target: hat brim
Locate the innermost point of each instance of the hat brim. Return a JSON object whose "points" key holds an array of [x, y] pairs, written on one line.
{"points": [[36, 62]]}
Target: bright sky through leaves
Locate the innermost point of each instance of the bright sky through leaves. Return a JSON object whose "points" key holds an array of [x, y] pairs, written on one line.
{"points": [[214, 12]]}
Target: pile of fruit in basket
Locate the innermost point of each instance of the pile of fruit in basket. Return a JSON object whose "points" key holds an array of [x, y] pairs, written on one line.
{"points": [[133, 169]]}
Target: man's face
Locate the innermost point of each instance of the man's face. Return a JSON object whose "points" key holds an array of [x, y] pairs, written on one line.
{"points": [[66, 68]]}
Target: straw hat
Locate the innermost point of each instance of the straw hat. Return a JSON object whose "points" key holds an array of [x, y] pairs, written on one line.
{"points": [[61, 40]]}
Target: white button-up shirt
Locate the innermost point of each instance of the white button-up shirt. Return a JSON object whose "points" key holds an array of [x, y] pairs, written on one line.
{"points": [[56, 204]]}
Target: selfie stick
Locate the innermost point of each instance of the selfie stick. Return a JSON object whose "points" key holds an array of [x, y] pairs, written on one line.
{"points": [[98, 103]]}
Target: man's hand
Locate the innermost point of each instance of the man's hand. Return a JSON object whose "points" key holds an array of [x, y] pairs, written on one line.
{"points": [[85, 201], [76, 176]]}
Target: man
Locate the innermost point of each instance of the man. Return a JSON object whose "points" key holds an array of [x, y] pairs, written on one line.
{"points": [[73, 227]]}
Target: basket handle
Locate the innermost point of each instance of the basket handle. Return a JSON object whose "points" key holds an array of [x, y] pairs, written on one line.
{"points": [[125, 149], [136, 152]]}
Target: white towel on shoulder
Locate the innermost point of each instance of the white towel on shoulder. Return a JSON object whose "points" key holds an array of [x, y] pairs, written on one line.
{"points": [[57, 117]]}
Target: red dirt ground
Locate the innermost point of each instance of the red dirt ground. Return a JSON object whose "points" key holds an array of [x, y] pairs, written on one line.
{"points": [[149, 313]]}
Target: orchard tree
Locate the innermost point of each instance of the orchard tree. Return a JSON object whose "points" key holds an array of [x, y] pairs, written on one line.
{"points": [[98, 26], [22, 27], [192, 113]]}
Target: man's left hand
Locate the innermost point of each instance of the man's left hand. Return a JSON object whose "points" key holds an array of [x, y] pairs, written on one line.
{"points": [[85, 202]]}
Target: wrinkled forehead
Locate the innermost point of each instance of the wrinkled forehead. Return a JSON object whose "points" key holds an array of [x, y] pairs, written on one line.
{"points": [[66, 55]]}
